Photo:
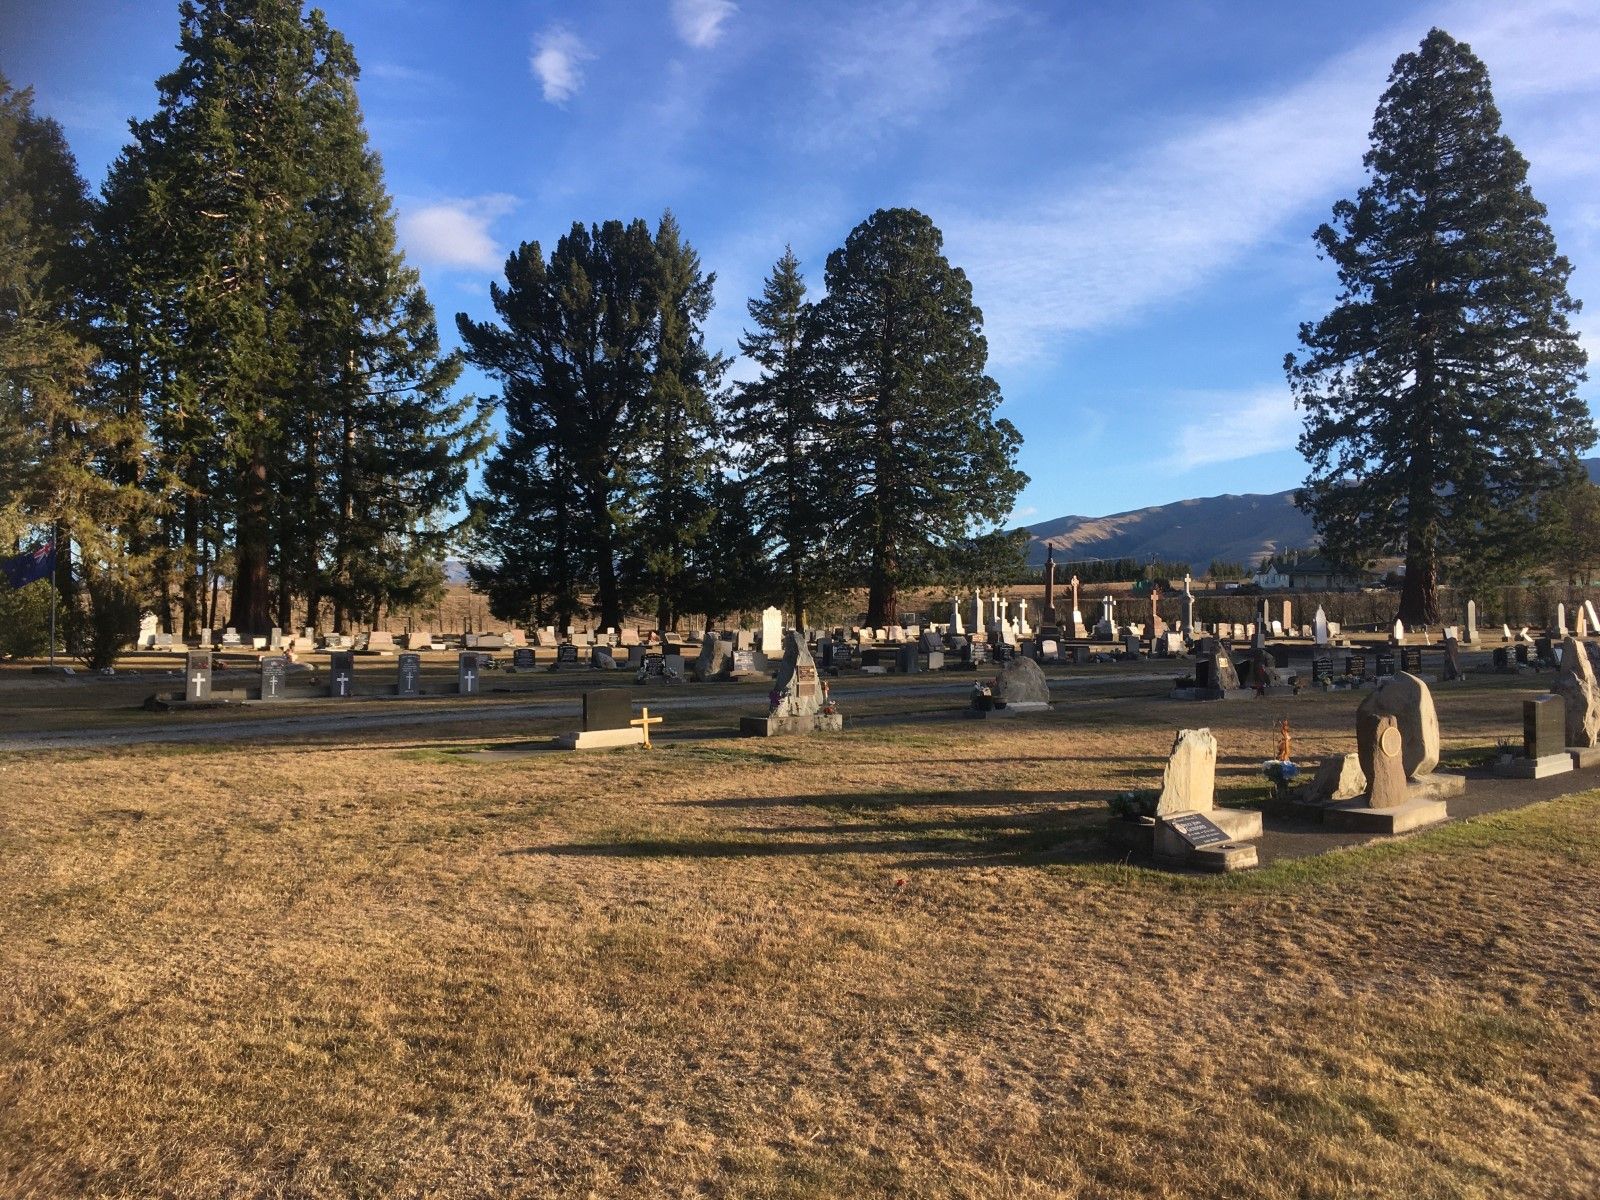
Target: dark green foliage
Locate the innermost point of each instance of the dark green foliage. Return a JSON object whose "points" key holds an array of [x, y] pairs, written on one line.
{"points": [[573, 352], [674, 446], [1440, 391], [778, 424], [1220, 569], [24, 619], [732, 566], [263, 327], [1569, 524], [919, 462]]}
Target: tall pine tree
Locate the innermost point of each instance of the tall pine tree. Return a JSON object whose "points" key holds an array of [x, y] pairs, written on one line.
{"points": [[573, 350], [778, 423], [675, 442], [922, 462], [1440, 391]]}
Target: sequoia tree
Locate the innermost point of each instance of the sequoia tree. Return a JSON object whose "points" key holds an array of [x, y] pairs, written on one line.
{"points": [[919, 459], [1440, 392]]}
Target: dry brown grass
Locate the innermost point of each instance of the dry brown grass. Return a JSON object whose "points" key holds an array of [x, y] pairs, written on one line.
{"points": [[867, 967]]}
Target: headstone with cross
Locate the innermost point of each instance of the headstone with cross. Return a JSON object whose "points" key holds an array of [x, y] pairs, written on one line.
{"points": [[274, 669], [408, 675], [469, 669], [342, 674], [197, 676]]}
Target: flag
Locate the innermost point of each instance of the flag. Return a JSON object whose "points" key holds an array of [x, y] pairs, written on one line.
{"points": [[26, 568]]}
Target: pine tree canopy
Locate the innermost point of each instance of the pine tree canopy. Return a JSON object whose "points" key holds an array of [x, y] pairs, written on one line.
{"points": [[920, 461], [1440, 391]]}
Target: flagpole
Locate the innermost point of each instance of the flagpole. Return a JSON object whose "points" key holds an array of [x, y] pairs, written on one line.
{"points": [[53, 593]]}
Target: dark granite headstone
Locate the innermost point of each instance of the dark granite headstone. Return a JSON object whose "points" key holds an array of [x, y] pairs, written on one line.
{"points": [[1544, 726], [408, 675], [522, 657], [608, 708], [469, 673], [1411, 660], [274, 668], [1385, 663], [1522, 653], [1502, 658], [342, 674], [567, 655], [907, 661], [1321, 668], [197, 675]]}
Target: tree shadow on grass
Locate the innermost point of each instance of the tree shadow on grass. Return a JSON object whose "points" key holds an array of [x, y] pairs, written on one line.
{"points": [[1042, 834], [877, 802]]}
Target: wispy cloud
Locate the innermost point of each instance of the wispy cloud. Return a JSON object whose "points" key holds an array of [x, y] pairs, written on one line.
{"points": [[454, 234], [557, 62], [891, 63], [1086, 255], [700, 22], [1227, 426]]}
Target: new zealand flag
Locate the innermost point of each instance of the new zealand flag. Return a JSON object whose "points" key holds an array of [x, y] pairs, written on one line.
{"points": [[26, 568]]}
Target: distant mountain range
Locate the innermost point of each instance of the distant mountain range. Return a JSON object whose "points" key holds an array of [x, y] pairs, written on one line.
{"points": [[1243, 529]]}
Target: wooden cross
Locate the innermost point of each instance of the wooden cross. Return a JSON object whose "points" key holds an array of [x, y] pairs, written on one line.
{"points": [[644, 721]]}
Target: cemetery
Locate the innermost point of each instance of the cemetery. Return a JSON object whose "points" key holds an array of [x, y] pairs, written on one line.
{"points": [[628, 725]]}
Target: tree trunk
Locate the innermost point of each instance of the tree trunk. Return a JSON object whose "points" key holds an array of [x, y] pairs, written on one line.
{"points": [[251, 593], [193, 611]]}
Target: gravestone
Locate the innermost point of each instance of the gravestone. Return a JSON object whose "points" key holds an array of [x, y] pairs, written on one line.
{"points": [[341, 674], [907, 660], [469, 673], [799, 701], [607, 722], [713, 660], [1387, 775], [1188, 823], [1594, 621], [1021, 686], [197, 676], [1577, 686], [1472, 622], [408, 674], [1522, 653], [1407, 699], [522, 658], [274, 672], [1355, 665], [1340, 777], [1322, 668], [1452, 660], [601, 659], [1319, 627], [1561, 619], [771, 631], [1385, 664], [275, 641], [567, 657], [380, 642], [1411, 660], [1544, 741]]}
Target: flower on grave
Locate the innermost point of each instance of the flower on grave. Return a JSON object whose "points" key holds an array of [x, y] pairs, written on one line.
{"points": [[1279, 771]]}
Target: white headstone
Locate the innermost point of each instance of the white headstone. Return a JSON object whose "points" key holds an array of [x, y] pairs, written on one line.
{"points": [[1023, 628], [1594, 621], [1472, 621], [772, 631], [955, 616], [1561, 619], [1319, 627], [1399, 632]]}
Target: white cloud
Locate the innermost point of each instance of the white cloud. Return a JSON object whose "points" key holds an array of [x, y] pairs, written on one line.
{"points": [[558, 58], [1090, 254], [699, 22], [1227, 426], [455, 233], [891, 63]]}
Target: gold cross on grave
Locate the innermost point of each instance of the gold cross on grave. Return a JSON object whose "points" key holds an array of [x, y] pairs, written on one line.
{"points": [[644, 722]]}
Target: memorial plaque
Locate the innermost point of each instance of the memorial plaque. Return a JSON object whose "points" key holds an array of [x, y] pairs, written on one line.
{"points": [[1321, 668], [1356, 665], [1411, 660], [274, 670], [469, 669], [1385, 663], [1197, 829], [976, 653], [197, 675], [522, 658], [744, 662], [341, 674], [608, 708], [408, 675]]}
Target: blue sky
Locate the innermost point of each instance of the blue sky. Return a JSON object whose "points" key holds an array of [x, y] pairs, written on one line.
{"points": [[1130, 187]]}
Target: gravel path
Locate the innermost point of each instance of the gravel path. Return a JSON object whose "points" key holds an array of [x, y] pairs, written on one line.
{"points": [[313, 716]]}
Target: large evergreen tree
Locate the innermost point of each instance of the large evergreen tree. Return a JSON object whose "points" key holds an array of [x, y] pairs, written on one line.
{"points": [[675, 442], [1440, 391], [261, 321], [779, 427], [921, 462], [573, 350]]}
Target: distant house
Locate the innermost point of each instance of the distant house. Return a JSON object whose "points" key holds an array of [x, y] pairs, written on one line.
{"points": [[1319, 574], [1271, 580]]}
